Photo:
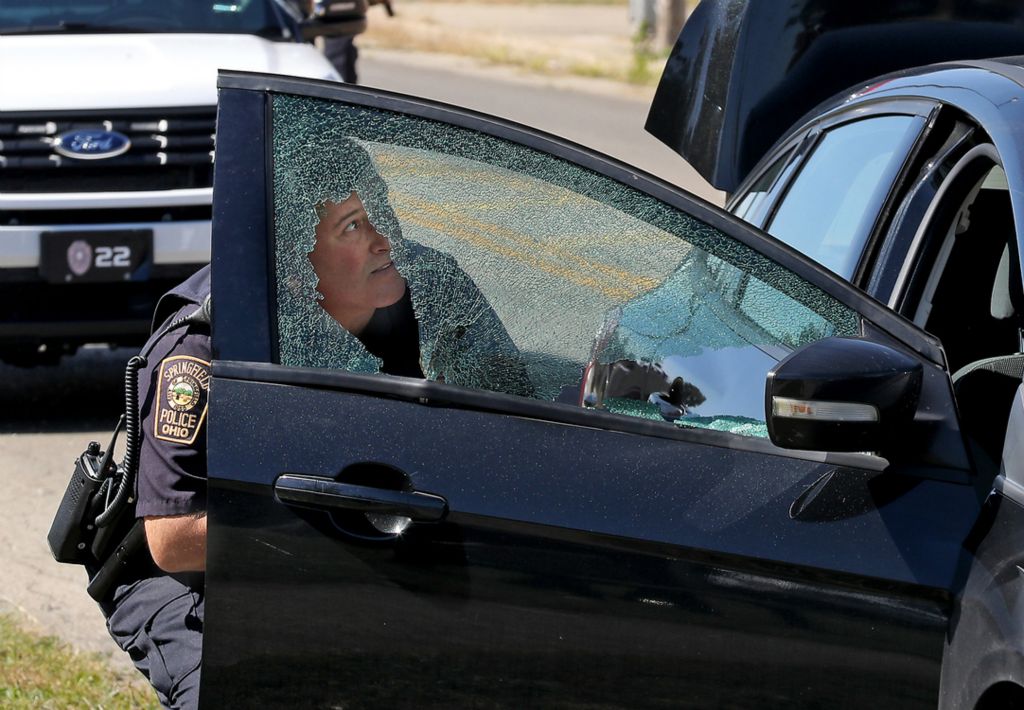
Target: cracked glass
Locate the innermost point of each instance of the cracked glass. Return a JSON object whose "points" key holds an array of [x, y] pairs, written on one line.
{"points": [[411, 247]]}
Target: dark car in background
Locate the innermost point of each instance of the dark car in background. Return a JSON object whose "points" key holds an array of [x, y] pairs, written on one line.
{"points": [[782, 498]]}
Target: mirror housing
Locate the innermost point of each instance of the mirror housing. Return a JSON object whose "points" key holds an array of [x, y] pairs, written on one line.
{"points": [[842, 394]]}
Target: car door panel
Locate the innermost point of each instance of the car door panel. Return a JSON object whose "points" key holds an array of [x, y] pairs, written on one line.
{"points": [[582, 557], [633, 567]]}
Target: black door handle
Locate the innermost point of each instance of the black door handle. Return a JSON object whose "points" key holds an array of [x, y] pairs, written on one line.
{"points": [[329, 494]]}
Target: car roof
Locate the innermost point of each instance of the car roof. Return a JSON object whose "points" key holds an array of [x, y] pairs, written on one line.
{"points": [[1010, 67], [965, 84], [743, 72]]}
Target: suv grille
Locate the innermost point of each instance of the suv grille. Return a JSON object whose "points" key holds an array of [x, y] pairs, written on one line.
{"points": [[170, 149]]}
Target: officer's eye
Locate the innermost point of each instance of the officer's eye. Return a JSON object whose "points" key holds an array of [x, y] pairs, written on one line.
{"points": [[351, 226]]}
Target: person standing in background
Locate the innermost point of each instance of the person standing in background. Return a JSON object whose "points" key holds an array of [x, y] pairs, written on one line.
{"points": [[341, 51], [347, 19]]}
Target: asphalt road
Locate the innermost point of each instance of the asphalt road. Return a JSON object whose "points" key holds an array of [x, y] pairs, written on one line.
{"points": [[50, 414], [602, 116]]}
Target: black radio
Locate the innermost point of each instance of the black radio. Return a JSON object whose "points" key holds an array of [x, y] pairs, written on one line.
{"points": [[95, 522], [73, 531]]}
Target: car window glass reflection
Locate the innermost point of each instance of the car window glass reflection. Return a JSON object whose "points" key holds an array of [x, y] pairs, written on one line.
{"points": [[695, 350], [418, 249], [827, 213]]}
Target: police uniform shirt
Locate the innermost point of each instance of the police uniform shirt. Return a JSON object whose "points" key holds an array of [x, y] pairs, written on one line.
{"points": [[393, 335], [174, 392]]}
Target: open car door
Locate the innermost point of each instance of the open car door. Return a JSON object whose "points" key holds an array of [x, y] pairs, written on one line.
{"points": [[577, 504], [743, 72]]}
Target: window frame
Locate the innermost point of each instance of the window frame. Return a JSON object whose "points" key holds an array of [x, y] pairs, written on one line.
{"points": [[920, 259], [248, 358], [803, 142]]}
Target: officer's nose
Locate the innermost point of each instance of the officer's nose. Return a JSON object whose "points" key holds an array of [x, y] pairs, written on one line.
{"points": [[378, 242]]}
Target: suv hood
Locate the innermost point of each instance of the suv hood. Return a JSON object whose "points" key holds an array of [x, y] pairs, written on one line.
{"points": [[744, 71], [105, 71]]}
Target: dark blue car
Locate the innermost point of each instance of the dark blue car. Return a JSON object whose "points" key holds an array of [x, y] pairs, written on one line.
{"points": [[657, 457]]}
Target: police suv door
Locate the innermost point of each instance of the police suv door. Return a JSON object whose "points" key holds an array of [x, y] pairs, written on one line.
{"points": [[617, 532]]}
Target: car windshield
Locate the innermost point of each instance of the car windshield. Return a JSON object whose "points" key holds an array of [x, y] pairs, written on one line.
{"points": [[261, 17]]}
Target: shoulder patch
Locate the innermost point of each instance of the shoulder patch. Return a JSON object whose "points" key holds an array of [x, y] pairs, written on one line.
{"points": [[182, 395]]}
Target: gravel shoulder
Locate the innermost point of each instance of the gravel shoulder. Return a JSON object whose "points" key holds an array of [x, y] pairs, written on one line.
{"points": [[50, 416], [45, 596], [588, 42]]}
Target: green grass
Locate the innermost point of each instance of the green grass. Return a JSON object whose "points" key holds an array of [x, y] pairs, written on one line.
{"points": [[639, 71], [42, 673]]}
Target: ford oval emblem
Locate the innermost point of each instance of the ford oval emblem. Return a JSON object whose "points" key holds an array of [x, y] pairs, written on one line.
{"points": [[91, 144]]}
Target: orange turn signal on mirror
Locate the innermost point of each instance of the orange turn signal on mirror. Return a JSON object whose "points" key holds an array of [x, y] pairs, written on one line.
{"points": [[823, 411]]}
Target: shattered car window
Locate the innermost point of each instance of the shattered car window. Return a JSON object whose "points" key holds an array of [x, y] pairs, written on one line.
{"points": [[415, 248]]}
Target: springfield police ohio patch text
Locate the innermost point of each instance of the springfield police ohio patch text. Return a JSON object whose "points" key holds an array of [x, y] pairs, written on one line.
{"points": [[181, 398]]}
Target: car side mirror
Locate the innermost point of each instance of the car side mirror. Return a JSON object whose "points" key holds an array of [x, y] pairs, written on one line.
{"points": [[842, 394]]}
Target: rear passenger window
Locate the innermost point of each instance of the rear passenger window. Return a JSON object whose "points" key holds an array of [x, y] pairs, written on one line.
{"points": [[829, 210], [414, 248]]}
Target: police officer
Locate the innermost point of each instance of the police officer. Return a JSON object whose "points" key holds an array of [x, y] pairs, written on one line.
{"points": [[346, 19], [341, 291], [155, 612], [342, 53], [354, 293]]}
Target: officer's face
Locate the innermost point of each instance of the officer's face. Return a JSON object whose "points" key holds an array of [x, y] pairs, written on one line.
{"points": [[353, 262]]}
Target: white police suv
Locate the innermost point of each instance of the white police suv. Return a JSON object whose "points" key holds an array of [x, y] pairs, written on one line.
{"points": [[107, 114]]}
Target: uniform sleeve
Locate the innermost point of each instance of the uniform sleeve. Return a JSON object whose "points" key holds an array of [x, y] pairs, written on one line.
{"points": [[467, 345], [174, 393]]}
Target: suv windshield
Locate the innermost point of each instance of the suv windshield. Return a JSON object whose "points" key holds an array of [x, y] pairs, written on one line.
{"points": [[261, 17]]}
